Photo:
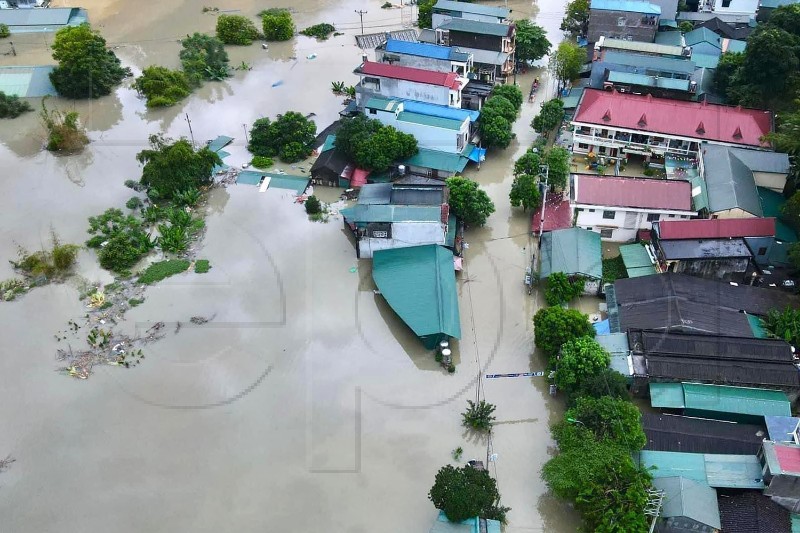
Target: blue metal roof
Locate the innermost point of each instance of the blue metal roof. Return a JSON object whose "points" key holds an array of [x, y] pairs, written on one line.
{"points": [[442, 111], [632, 6], [433, 51]]}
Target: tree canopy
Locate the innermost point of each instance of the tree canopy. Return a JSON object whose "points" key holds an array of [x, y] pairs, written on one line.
{"points": [[372, 145], [525, 192], [278, 25], [501, 106], [576, 18], [580, 358], [557, 160], [172, 167], [550, 116], [529, 163], [289, 137], [512, 93], [554, 326], [609, 418], [495, 131], [11, 106], [607, 382], [568, 58], [236, 29], [532, 43], [425, 13], [86, 68], [203, 58], [466, 492], [468, 202], [162, 87], [785, 325]]}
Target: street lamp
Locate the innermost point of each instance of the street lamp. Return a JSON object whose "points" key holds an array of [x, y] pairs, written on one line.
{"points": [[575, 421]]}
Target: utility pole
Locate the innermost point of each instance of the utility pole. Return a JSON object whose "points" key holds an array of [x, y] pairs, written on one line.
{"points": [[543, 169], [246, 140], [361, 14], [191, 133]]}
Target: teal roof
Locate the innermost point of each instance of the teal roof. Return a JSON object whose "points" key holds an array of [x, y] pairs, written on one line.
{"points": [[670, 38], [419, 283], [616, 344], [705, 60], [771, 204], [703, 35], [436, 160], [27, 82], [384, 104], [757, 327], [452, 226], [573, 98], [714, 470], [329, 144], [364, 214], [297, 184], [720, 399], [736, 46], [632, 6], [773, 4], [573, 251], [471, 525], [684, 497], [666, 23], [637, 261], [466, 7], [219, 143], [429, 120], [644, 80], [667, 395]]}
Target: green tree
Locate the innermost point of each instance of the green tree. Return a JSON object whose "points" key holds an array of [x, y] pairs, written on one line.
{"points": [[320, 31], [278, 25], [353, 132], [770, 66], [685, 26], [576, 19], [495, 131], [499, 106], [557, 160], [120, 240], [784, 324], [787, 18], [790, 211], [568, 59], [162, 87], [11, 106], [794, 255], [525, 192], [609, 418], [385, 148], [478, 416], [512, 93], [86, 68], [608, 382], [425, 13], [532, 43], [554, 326], [727, 70], [466, 492], [171, 167], [560, 289], [4, 31], [203, 58], [236, 29], [580, 358], [289, 137], [550, 116], [529, 163], [313, 205], [468, 202], [787, 137]]}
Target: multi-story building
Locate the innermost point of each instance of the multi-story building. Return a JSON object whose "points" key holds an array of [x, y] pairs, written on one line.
{"points": [[446, 10], [392, 81], [425, 56], [632, 20], [492, 45]]}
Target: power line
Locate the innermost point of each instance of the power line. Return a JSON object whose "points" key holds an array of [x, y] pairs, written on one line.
{"points": [[361, 14]]}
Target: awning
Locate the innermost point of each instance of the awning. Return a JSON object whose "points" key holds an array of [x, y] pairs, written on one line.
{"points": [[477, 154]]}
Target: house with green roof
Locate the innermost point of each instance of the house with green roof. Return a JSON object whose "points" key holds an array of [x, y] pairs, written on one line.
{"points": [[419, 284], [574, 251], [688, 505], [638, 262], [720, 402], [471, 525], [726, 471]]}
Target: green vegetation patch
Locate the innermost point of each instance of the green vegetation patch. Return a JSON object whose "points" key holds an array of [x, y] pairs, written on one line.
{"points": [[202, 266], [162, 270], [320, 31]]}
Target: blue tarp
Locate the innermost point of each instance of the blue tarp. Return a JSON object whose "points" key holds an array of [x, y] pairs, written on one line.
{"points": [[602, 328], [478, 155]]}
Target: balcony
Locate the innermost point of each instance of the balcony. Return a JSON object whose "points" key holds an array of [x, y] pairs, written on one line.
{"points": [[623, 141]]}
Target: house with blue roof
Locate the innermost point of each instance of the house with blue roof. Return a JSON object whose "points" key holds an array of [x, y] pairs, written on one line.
{"points": [[623, 19], [425, 56]]}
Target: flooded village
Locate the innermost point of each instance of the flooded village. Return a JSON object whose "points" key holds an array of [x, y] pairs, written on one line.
{"points": [[260, 364]]}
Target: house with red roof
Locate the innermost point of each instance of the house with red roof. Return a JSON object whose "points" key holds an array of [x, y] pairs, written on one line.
{"points": [[617, 208], [407, 83], [617, 126], [780, 462]]}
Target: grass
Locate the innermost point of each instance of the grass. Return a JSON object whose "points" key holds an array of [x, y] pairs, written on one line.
{"points": [[614, 269], [162, 270], [202, 266], [133, 302]]}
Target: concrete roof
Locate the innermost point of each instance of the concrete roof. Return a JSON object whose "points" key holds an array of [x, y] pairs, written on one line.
{"points": [[632, 6], [468, 7], [475, 26], [637, 46]]}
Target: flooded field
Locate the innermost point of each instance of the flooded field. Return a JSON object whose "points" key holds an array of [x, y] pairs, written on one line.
{"points": [[305, 404]]}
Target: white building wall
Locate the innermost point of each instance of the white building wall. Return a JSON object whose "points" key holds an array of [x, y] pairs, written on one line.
{"points": [[408, 90], [770, 180], [626, 222], [405, 234], [742, 7], [431, 137]]}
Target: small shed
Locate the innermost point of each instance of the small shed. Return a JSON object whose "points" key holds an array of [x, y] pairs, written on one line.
{"points": [[574, 251], [636, 260], [688, 505]]}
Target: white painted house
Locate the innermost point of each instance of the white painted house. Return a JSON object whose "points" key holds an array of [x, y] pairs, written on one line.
{"points": [[617, 208], [425, 56], [449, 135], [729, 7], [393, 81], [446, 10]]}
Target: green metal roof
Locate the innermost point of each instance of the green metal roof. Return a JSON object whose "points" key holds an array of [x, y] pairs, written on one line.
{"points": [[419, 283], [573, 98], [363, 214], [637, 261], [739, 400], [573, 251], [771, 204], [429, 120], [702, 35], [330, 141], [436, 160], [757, 327], [735, 45], [705, 60], [382, 103], [219, 143], [684, 497], [699, 193], [667, 395], [796, 523], [644, 80], [452, 226], [715, 470]]}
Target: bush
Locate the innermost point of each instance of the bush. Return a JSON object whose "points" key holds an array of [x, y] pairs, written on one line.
{"points": [[290, 136], [64, 132], [278, 25], [173, 238], [386, 5], [320, 31], [614, 269], [466, 492], [11, 106], [163, 269], [135, 185], [172, 167], [478, 416], [561, 290], [133, 203], [4, 31], [190, 197], [125, 240], [236, 29], [553, 326], [262, 162], [313, 205], [133, 302], [162, 87], [202, 266], [203, 58], [53, 263]]}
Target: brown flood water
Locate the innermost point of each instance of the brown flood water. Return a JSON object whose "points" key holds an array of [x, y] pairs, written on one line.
{"points": [[305, 405]]}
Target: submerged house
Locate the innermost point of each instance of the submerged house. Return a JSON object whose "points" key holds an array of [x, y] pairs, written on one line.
{"points": [[446, 10], [419, 284], [491, 45]]}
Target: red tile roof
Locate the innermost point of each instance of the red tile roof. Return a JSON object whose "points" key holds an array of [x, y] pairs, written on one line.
{"points": [[641, 193], [557, 214], [716, 228], [417, 75], [696, 120], [788, 458]]}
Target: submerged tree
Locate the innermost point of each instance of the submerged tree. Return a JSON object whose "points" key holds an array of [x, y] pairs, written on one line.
{"points": [[467, 492], [64, 131], [171, 167], [532, 43], [162, 87], [468, 202], [203, 58], [478, 416], [236, 29], [525, 192], [289, 137]]}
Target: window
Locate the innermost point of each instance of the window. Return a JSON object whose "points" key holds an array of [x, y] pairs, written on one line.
{"points": [[762, 250], [589, 228], [610, 215], [373, 111], [583, 146], [591, 210], [726, 3], [606, 233], [652, 217]]}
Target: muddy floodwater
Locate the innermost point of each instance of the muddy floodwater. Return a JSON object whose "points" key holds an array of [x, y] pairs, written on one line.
{"points": [[305, 404]]}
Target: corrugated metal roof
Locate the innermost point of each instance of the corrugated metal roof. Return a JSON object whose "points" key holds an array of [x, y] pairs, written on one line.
{"points": [[557, 214], [673, 433], [384, 104], [363, 214], [475, 26], [650, 48], [632, 6], [675, 117], [616, 344], [705, 60], [573, 251], [467, 7], [687, 498], [730, 184], [780, 428], [418, 49], [428, 120], [704, 249], [644, 80], [573, 98], [330, 141], [375, 194], [54, 16], [486, 57], [667, 395], [702, 35], [762, 160], [673, 39], [733, 46], [772, 204], [436, 160], [434, 110], [637, 261], [783, 458], [27, 82], [699, 193], [419, 283], [716, 228], [433, 196], [648, 63], [736, 400], [752, 512], [719, 471], [657, 194], [416, 75]]}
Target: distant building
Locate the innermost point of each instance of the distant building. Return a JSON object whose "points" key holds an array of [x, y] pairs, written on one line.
{"points": [[617, 208], [729, 31], [729, 7], [446, 10], [781, 462], [574, 252], [392, 81], [492, 46], [637, 73], [424, 56], [687, 506], [623, 19]]}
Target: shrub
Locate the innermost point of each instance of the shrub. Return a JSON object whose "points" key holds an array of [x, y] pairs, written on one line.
{"points": [[172, 167], [11, 106], [133, 302], [478, 416], [236, 29], [125, 240], [52, 263], [386, 5], [173, 238], [163, 269], [133, 203], [135, 185], [289, 136], [162, 87], [4, 31], [278, 25], [561, 290], [262, 162], [614, 269], [64, 132], [190, 197], [320, 31], [202, 266], [203, 58], [466, 492], [313, 205]]}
